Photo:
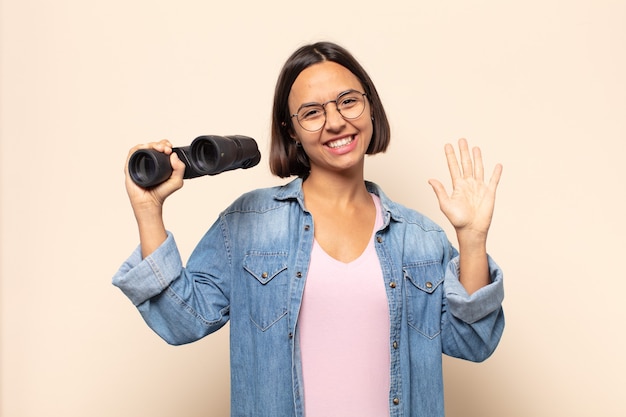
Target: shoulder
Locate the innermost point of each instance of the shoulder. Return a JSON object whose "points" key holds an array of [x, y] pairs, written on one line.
{"points": [[264, 199]]}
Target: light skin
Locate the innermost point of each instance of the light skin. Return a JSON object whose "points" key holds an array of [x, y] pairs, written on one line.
{"points": [[335, 192]]}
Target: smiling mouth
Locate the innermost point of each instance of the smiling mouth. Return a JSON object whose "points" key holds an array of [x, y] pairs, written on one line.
{"points": [[340, 142]]}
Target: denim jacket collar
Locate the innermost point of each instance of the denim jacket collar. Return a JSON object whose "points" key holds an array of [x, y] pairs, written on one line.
{"points": [[391, 210]]}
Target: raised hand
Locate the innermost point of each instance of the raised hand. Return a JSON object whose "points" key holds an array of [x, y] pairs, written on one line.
{"points": [[145, 197], [148, 203], [469, 207]]}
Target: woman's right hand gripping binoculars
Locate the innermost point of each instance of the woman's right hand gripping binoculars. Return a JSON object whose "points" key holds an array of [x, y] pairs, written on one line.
{"points": [[207, 155]]}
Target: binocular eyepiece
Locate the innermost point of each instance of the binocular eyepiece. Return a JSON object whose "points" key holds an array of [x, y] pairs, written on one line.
{"points": [[207, 155]]}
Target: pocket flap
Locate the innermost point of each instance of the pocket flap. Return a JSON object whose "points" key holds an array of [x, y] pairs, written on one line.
{"points": [[426, 276], [265, 266]]}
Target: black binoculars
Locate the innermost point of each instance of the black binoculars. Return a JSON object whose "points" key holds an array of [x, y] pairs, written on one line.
{"points": [[207, 155]]}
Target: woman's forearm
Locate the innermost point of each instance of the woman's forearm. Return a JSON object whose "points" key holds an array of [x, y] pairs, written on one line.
{"points": [[473, 263], [152, 231]]}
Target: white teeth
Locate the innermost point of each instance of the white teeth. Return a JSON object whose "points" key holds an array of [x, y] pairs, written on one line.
{"points": [[340, 142]]}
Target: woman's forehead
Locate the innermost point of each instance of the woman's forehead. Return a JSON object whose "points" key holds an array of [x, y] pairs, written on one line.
{"points": [[322, 82]]}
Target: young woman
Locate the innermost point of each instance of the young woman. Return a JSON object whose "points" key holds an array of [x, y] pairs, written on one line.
{"points": [[341, 301]]}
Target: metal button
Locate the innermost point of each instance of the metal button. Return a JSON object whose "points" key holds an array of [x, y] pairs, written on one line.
{"points": [[429, 284], [379, 239], [264, 274], [396, 401], [298, 274], [395, 344], [307, 227], [392, 284]]}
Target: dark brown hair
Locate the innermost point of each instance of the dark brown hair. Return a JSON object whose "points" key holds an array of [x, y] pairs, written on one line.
{"points": [[287, 159]]}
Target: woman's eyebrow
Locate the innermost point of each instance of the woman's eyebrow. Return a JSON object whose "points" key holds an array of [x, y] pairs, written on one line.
{"points": [[314, 103]]}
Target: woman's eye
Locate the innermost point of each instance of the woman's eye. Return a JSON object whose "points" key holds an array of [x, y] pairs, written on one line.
{"points": [[347, 102], [311, 113]]}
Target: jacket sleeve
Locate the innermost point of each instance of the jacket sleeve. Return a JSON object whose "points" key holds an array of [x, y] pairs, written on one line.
{"points": [[180, 304], [472, 324]]}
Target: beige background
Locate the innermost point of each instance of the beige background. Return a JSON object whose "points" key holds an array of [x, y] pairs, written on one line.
{"points": [[539, 85]]}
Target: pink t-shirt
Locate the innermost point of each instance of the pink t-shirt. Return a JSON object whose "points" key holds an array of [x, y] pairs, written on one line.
{"points": [[344, 335]]}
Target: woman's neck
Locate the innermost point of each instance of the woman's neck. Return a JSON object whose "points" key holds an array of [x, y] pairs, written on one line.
{"points": [[335, 189]]}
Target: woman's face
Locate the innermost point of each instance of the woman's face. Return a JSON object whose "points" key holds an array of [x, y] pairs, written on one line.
{"points": [[340, 144]]}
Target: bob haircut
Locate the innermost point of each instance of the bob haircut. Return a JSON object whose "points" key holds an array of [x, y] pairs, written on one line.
{"points": [[287, 159]]}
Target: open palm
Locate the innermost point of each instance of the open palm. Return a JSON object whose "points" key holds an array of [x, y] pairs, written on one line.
{"points": [[469, 207]]}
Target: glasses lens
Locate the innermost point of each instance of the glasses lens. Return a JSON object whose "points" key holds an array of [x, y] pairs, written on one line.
{"points": [[351, 104], [312, 117]]}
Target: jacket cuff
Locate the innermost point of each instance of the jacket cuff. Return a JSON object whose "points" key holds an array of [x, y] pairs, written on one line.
{"points": [[471, 308], [141, 279]]}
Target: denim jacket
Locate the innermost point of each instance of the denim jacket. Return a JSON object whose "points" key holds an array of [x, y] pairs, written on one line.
{"points": [[251, 268]]}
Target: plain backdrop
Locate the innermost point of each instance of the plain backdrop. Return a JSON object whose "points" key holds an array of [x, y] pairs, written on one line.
{"points": [[540, 86]]}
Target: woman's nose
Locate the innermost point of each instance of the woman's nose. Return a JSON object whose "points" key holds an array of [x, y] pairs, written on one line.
{"points": [[334, 119]]}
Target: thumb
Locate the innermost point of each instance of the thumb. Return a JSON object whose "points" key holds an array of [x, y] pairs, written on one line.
{"points": [[178, 166], [439, 190]]}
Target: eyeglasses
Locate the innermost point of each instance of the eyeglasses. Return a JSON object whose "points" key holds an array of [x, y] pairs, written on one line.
{"points": [[312, 116]]}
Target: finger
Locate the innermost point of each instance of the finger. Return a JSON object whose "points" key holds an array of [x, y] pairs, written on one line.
{"points": [[466, 159], [178, 172], [495, 177], [439, 189], [479, 170], [178, 166], [453, 164], [162, 146]]}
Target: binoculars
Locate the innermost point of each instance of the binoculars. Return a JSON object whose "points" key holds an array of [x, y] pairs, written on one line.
{"points": [[207, 155]]}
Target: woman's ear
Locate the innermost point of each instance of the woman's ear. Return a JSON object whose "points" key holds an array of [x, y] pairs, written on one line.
{"points": [[290, 131]]}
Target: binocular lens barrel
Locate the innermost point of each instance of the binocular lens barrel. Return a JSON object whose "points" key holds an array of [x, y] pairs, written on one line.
{"points": [[212, 155], [148, 167], [207, 155]]}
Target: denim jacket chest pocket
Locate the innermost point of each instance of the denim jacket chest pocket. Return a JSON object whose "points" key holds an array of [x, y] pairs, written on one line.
{"points": [[267, 285], [423, 284]]}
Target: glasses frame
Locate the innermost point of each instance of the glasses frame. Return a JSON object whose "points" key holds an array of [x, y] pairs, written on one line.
{"points": [[339, 96]]}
